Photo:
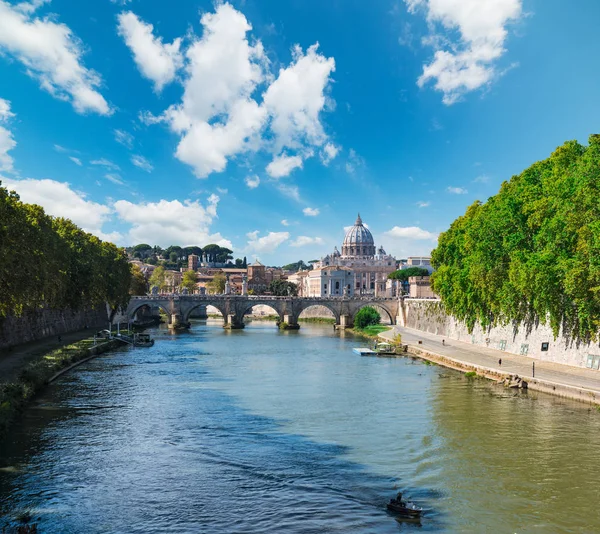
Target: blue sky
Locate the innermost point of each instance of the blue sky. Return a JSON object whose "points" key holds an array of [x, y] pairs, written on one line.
{"points": [[268, 124]]}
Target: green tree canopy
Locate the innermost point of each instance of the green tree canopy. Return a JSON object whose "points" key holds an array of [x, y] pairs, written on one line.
{"points": [[138, 281], [366, 316], [405, 274], [531, 252], [297, 266], [189, 280], [217, 285], [159, 278], [283, 288]]}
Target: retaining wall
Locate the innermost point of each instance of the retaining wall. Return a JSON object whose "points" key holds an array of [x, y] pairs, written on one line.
{"points": [[46, 322], [428, 316]]}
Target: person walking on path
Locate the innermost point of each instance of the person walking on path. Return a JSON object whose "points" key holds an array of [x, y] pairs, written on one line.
{"points": [[500, 362], [443, 342]]}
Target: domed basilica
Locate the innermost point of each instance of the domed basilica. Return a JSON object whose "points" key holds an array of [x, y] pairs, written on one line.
{"points": [[369, 265]]}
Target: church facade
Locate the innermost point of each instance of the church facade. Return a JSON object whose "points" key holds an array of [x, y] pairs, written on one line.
{"points": [[369, 265]]}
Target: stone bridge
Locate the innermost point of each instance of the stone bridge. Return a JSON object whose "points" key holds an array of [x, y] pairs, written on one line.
{"points": [[234, 307]]}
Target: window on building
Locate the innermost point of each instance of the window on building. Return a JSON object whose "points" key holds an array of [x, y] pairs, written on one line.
{"points": [[337, 285]]}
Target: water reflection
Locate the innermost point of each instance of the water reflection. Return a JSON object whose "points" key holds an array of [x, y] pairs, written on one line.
{"points": [[267, 431]]}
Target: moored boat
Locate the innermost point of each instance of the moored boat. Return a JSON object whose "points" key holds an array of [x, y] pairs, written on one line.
{"points": [[143, 340], [404, 509]]}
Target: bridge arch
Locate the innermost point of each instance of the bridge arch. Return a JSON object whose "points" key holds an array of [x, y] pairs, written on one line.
{"points": [[149, 304], [268, 303], [326, 304], [328, 313], [206, 304], [379, 306]]}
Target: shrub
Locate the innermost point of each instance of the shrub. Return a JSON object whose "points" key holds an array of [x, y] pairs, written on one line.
{"points": [[366, 316]]}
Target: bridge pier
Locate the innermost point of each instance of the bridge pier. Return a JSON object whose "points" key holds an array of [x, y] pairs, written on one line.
{"points": [[345, 322], [232, 322], [290, 322]]}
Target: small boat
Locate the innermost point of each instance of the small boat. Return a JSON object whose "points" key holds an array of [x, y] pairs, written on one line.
{"points": [[384, 348], [143, 340], [405, 509], [362, 351]]}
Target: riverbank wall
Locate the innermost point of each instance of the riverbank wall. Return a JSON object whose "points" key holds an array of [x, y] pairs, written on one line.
{"points": [[38, 324], [37, 374], [536, 341]]}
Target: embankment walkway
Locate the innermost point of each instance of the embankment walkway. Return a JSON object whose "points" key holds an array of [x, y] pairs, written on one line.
{"points": [[563, 380]]}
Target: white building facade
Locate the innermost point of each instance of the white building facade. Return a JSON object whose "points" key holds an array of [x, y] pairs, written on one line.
{"points": [[369, 266]]}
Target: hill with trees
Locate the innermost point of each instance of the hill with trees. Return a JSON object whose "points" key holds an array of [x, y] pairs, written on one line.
{"points": [[531, 253]]}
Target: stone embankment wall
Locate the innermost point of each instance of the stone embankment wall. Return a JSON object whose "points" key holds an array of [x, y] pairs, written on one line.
{"points": [[46, 322], [428, 316]]}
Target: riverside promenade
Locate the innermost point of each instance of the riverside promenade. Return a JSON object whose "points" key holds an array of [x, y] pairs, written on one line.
{"points": [[565, 381]]}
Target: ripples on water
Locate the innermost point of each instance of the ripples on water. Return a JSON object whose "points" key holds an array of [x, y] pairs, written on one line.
{"points": [[267, 431]]}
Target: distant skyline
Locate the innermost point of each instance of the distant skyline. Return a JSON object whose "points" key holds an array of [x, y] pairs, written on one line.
{"points": [[265, 126]]}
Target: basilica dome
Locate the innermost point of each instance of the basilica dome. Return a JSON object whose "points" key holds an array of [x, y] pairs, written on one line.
{"points": [[358, 241]]}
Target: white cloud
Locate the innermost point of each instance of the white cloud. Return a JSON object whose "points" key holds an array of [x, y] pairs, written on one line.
{"points": [[59, 200], [114, 178], [265, 244], [304, 240], [354, 161], [470, 63], [61, 149], [156, 61], [222, 190], [220, 115], [168, 222], [297, 97], [311, 212], [52, 54], [410, 232], [329, 152], [252, 181], [124, 138], [7, 141], [142, 163], [283, 165], [482, 179], [75, 160], [456, 190], [284, 222], [105, 163], [423, 204], [290, 191]]}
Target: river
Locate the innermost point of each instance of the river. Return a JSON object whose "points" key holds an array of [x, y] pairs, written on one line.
{"points": [[260, 431]]}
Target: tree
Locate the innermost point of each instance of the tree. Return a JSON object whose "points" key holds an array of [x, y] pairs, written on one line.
{"points": [[366, 316], [166, 254], [159, 278], [283, 288], [405, 274], [217, 285], [189, 280], [530, 253], [297, 266], [138, 281], [173, 257], [245, 263], [143, 249], [239, 263]]}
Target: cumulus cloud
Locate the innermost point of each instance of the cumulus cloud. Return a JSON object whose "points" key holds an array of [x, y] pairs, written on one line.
{"points": [[410, 232], [311, 212], [267, 243], [304, 240], [52, 54], [7, 142], [285, 222], [221, 114], [290, 191], [124, 138], [59, 200], [283, 165], [105, 163], [423, 204], [142, 163], [75, 160], [167, 222], [460, 67], [456, 190], [329, 152], [156, 60], [252, 181]]}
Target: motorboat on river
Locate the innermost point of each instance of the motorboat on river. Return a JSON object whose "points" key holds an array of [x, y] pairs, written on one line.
{"points": [[142, 340], [405, 509]]}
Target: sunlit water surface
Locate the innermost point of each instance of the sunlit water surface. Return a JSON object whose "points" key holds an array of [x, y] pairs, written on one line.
{"points": [[267, 431]]}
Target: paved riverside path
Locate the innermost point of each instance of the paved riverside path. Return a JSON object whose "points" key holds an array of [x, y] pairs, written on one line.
{"points": [[511, 363], [13, 360]]}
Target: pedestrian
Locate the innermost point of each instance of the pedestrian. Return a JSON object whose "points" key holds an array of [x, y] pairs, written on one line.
{"points": [[444, 342], [500, 362]]}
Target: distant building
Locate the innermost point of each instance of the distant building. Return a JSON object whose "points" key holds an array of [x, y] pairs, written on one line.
{"points": [[193, 262], [332, 281], [420, 287], [418, 261], [370, 266], [257, 279]]}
